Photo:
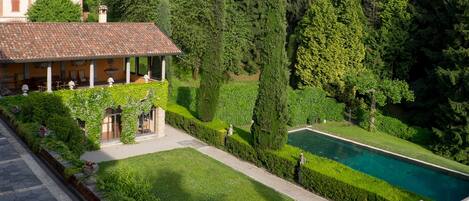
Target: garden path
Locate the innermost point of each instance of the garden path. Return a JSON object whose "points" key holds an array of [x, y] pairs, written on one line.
{"points": [[178, 139], [21, 176]]}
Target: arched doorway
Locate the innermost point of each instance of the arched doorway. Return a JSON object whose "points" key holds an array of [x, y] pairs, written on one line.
{"points": [[111, 126]]}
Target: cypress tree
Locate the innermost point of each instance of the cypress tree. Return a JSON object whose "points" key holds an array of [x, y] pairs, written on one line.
{"points": [[212, 64], [271, 113]]}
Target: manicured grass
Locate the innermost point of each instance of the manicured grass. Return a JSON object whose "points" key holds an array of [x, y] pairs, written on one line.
{"points": [[390, 143], [185, 174]]}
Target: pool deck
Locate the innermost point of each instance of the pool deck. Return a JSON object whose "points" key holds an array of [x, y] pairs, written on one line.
{"points": [[462, 174]]}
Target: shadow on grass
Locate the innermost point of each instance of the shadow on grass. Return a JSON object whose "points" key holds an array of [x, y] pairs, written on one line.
{"points": [[169, 186], [186, 99]]}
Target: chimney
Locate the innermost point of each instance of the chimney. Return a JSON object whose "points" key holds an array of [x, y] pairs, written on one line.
{"points": [[102, 14]]}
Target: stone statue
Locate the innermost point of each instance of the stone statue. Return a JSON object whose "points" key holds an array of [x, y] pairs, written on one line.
{"points": [[71, 84], [230, 130], [302, 159], [110, 80], [25, 89]]}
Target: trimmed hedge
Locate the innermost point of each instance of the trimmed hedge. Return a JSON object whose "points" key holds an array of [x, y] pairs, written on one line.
{"points": [[211, 132], [320, 175], [237, 100], [396, 127]]}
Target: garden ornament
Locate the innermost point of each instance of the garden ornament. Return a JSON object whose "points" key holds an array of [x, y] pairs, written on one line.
{"points": [[110, 80], [146, 78], [90, 168], [25, 89], [71, 84], [230, 130], [43, 131], [302, 159]]}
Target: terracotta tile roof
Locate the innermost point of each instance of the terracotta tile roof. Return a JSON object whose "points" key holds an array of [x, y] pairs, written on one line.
{"points": [[33, 42]]}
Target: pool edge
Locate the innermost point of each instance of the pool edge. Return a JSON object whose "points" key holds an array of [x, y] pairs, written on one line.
{"points": [[466, 176]]}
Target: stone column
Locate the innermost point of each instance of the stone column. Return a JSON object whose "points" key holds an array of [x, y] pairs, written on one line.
{"points": [[92, 73], [49, 77], [160, 122], [127, 71], [163, 68]]}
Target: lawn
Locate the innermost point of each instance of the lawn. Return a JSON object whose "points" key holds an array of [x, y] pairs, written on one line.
{"points": [[390, 143], [185, 174]]}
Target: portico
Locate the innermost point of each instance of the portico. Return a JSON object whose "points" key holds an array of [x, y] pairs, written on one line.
{"points": [[87, 54]]}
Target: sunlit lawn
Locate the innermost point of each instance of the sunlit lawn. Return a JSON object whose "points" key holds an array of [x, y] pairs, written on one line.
{"points": [[390, 143], [186, 174]]}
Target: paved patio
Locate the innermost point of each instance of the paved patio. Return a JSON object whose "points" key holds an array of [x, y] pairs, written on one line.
{"points": [[21, 177], [177, 139]]}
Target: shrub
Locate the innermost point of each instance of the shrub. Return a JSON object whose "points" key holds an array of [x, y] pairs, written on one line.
{"points": [[395, 127], [311, 105], [66, 130], [211, 132], [123, 183], [29, 133]]}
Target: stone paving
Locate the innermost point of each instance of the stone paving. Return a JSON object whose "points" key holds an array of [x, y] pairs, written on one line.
{"points": [[177, 139], [21, 177]]}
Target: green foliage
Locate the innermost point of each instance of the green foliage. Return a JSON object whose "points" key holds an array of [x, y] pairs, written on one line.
{"points": [[212, 64], [124, 183], [452, 125], [310, 105], [189, 19], [237, 100], [54, 11], [212, 132], [389, 45], [157, 11], [66, 130], [270, 114], [89, 105], [396, 127], [330, 44], [368, 84]]}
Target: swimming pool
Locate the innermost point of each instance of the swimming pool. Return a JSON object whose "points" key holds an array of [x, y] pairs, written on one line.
{"points": [[433, 183]]}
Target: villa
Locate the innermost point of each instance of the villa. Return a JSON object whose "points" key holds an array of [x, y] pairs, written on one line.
{"points": [[63, 56]]}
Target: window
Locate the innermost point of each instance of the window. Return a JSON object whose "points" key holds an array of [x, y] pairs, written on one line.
{"points": [[15, 5]]}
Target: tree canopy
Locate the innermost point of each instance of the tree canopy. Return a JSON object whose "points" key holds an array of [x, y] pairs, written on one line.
{"points": [[54, 11]]}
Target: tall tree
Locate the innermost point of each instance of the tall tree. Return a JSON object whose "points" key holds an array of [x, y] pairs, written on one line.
{"points": [[330, 44], [212, 64], [271, 113], [54, 11], [378, 92], [452, 125]]}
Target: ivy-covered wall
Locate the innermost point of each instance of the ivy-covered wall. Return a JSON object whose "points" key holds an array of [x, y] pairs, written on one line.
{"points": [[89, 105]]}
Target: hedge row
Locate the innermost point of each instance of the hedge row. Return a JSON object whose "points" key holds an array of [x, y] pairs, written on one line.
{"points": [[213, 132], [325, 177], [237, 100]]}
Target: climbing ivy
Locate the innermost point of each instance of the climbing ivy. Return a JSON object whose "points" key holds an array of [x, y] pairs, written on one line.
{"points": [[89, 105]]}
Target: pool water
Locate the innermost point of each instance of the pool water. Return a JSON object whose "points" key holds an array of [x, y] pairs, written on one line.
{"points": [[429, 182]]}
